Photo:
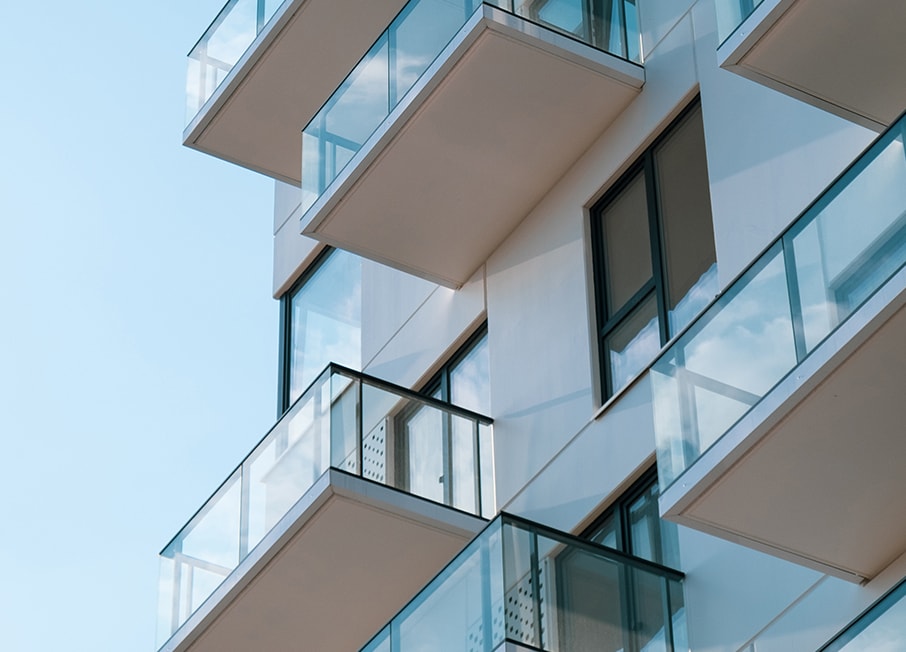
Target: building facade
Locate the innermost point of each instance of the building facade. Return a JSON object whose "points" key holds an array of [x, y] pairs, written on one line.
{"points": [[592, 328]]}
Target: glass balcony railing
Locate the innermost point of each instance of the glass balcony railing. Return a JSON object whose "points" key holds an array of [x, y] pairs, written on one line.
{"points": [[842, 249], [524, 583], [347, 421], [880, 628], [403, 53], [221, 47], [731, 14]]}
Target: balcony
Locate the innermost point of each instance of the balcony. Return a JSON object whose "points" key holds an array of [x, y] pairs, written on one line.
{"points": [[330, 524], [457, 121], [842, 56], [779, 413], [264, 68], [521, 586]]}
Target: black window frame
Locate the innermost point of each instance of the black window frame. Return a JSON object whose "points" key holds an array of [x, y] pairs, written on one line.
{"points": [[284, 353], [440, 381], [657, 286], [620, 510]]}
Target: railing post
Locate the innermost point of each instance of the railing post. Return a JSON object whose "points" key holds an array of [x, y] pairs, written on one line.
{"points": [[476, 455], [795, 301], [535, 574], [668, 613], [260, 17], [177, 582], [359, 411], [244, 502], [486, 604]]}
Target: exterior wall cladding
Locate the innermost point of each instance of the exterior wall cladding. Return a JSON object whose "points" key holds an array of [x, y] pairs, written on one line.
{"points": [[564, 450]]}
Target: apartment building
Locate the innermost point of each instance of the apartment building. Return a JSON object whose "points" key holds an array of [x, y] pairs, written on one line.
{"points": [[592, 328]]}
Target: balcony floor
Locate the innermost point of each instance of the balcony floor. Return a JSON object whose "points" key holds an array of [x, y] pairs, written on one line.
{"points": [[842, 56], [331, 573]]}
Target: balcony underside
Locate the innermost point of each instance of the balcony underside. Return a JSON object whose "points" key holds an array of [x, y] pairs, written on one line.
{"points": [[814, 473], [842, 56], [331, 573], [495, 121], [256, 116]]}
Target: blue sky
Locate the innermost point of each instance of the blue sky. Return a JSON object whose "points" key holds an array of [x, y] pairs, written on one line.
{"points": [[138, 338]]}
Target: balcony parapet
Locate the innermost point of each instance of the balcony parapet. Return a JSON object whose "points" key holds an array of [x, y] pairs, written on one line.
{"points": [[800, 356], [425, 158], [840, 56], [262, 70], [345, 421], [524, 585]]}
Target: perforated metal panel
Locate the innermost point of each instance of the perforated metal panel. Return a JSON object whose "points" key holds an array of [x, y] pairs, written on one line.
{"points": [[516, 616], [374, 454]]}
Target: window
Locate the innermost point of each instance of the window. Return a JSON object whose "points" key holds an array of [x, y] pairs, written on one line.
{"points": [[653, 249], [602, 606], [321, 319], [632, 525], [437, 456]]}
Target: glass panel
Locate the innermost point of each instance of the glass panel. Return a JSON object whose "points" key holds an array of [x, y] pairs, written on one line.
{"points": [[649, 537], [326, 320], [380, 643], [678, 615], [566, 16], [608, 533], [486, 452], [633, 344], [741, 348], [627, 244], [374, 87], [424, 453], [344, 433], [685, 205], [464, 438], [649, 592], [221, 47], [418, 38], [454, 612], [201, 556], [840, 261], [521, 586], [731, 14], [378, 409], [633, 33], [470, 383], [589, 605], [881, 628]]}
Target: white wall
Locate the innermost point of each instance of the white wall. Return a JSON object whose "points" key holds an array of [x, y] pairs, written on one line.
{"points": [[293, 252], [768, 157]]}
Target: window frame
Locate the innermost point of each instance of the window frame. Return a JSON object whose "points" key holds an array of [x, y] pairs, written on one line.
{"points": [[440, 381], [644, 167], [620, 510], [285, 349]]}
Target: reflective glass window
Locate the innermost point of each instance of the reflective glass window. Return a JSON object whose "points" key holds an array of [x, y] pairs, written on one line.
{"points": [[632, 525], [324, 321], [654, 258]]}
